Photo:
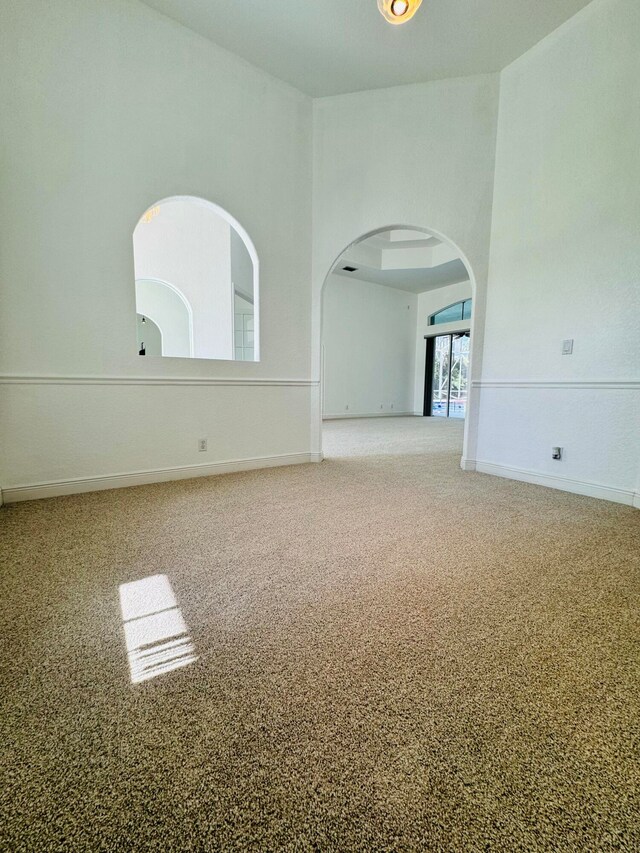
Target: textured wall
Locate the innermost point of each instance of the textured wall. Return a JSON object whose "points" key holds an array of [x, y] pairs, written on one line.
{"points": [[565, 258], [107, 107]]}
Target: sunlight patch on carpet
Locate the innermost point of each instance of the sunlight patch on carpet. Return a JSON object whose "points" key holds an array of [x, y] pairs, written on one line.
{"points": [[156, 635]]}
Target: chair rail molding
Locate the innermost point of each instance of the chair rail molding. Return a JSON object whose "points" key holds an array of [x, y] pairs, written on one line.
{"points": [[552, 384], [18, 379]]}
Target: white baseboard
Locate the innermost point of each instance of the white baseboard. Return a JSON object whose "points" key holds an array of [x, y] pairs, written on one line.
{"points": [[344, 415], [565, 484], [140, 478], [468, 464]]}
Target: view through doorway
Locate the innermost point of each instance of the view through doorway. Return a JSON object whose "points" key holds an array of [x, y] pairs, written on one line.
{"points": [[447, 375], [383, 297]]}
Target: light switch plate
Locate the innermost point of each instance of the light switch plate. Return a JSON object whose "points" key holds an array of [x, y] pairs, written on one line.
{"points": [[567, 347]]}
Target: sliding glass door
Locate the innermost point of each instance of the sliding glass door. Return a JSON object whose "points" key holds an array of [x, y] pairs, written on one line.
{"points": [[441, 374], [447, 375]]}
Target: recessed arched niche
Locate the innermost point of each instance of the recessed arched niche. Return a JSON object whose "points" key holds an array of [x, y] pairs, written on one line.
{"points": [[196, 282]]}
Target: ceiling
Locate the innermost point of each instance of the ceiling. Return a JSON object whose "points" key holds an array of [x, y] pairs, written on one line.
{"points": [[405, 260], [414, 281], [329, 47]]}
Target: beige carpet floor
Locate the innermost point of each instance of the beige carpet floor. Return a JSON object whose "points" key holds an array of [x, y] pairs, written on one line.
{"points": [[390, 654]]}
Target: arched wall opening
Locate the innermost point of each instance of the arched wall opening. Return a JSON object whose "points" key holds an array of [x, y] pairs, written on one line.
{"points": [[169, 310], [149, 336], [463, 294], [196, 249]]}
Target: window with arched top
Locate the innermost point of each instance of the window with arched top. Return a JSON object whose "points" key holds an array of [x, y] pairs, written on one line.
{"points": [[196, 281], [452, 313]]}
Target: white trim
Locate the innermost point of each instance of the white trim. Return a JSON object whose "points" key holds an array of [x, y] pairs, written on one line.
{"points": [[139, 478], [598, 384], [552, 481], [467, 464], [146, 380], [346, 415], [457, 326]]}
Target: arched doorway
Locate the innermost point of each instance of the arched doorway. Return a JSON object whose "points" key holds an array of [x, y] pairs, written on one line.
{"points": [[410, 269], [149, 336]]}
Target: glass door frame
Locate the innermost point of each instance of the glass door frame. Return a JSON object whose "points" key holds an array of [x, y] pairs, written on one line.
{"points": [[429, 366], [428, 376]]}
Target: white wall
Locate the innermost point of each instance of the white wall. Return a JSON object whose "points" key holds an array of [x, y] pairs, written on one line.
{"points": [[565, 261], [443, 181], [430, 303], [241, 267], [188, 244], [368, 339], [107, 107]]}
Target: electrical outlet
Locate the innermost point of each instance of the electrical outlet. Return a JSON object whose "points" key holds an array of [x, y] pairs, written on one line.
{"points": [[202, 445], [556, 453], [346, 408], [567, 347]]}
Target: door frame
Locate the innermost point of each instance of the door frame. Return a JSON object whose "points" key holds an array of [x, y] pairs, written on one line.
{"points": [[427, 407], [428, 376]]}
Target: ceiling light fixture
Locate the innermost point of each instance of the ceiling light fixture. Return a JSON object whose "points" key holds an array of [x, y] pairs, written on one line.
{"points": [[398, 11]]}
